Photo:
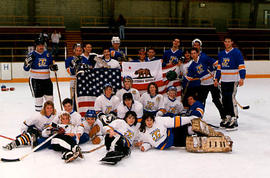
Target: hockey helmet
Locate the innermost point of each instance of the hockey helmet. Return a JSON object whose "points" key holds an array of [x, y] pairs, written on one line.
{"points": [[115, 39], [91, 113], [107, 85], [171, 88], [128, 78], [127, 96], [196, 40], [39, 41]]}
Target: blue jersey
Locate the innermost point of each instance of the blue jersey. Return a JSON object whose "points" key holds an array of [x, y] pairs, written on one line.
{"points": [[231, 66], [197, 109], [72, 70], [169, 55], [153, 59], [40, 66], [117, 55]]}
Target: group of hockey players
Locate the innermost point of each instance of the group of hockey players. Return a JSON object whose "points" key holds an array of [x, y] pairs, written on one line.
{"points": [[127, 119]]}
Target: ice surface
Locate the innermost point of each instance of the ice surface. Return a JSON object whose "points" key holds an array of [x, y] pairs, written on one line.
{"points": [[250, 157]]}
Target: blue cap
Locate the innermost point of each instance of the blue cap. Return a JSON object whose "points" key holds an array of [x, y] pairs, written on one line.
{"points": [[91, 113]]}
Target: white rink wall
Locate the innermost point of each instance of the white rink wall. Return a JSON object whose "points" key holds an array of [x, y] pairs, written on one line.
{"points": [[252, 67]]}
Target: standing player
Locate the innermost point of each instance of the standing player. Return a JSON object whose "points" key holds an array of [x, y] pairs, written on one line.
{"points": [[231, 72], [89, 57], [32, 128], [151, 55], [173, 55], [106, 105], [128, 104], [115, 51], [91, 128], [40, 62], [172, 105], [152, 101], [107, 61], [127, 82]]}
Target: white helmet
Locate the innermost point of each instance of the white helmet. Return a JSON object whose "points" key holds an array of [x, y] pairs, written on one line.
{"points": [[197, 40], [115, 39]]}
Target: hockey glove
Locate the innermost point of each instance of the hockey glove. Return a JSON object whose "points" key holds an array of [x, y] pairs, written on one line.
{"points": [[29, 59], [75, 61], [61, 130], [54, 67]]}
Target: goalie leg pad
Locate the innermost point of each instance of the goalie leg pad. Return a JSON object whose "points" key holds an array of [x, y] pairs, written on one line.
{"points": [[208, 144], [201, 127]]}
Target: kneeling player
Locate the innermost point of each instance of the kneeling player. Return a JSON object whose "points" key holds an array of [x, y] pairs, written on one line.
{"points": [[172, 105], [33, 127], [119, 138], [65, 140], [91, 128]]}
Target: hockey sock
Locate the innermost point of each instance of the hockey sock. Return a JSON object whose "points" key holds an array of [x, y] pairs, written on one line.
{"points": [[38, 104], [48, 98], [23, 139]]}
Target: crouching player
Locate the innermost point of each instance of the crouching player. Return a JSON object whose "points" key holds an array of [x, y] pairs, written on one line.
{"points": [[32, 128], [119, 138], [91, 128], [65, 140]]}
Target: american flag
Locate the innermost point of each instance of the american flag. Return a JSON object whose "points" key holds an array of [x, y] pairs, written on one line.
{"points": [[90, 84]]}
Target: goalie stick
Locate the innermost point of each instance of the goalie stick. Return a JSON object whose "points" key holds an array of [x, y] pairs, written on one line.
{"points": [[92, 150], [33, 150], [6, 137]]}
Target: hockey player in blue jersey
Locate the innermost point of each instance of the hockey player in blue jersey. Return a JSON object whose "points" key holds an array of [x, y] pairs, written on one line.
{"points": [[173, 55], [89, 57], [39, 63], [231, 72]]}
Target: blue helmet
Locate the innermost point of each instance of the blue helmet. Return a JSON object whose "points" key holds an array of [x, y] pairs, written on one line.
{"points": [[172, 88], [91, 113]]}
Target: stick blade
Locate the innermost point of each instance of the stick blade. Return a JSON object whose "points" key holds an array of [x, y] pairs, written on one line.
{"points": [[9, 160], [246, 107]]}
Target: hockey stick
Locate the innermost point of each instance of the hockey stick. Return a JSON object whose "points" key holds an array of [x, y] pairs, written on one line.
{"points": [[33, 150], [6, 137], [185, 92], [242, 107], [59, 95], [92, 150]]}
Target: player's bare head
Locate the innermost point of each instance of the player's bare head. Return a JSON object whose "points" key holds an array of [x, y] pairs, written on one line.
{"points": [[87, 47], [194, 53], [151, 52], [176, 42], [40, 45], [187, 54], [106, 52], [131, 118], [191, 100], [64, 117], [152, 89], [148, 120], [77, 49], [128, 99], [127, 82], [108, 90], [228, 42], [67, 103], [48, 109]]}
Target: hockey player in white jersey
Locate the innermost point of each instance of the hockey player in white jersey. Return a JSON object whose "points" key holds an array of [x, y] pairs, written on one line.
{"points": [[128, 104], [75, 118], [66, 139], [172, 105], [161, 132], [106, 104], [120, 137], [152, 101], [107, 61], [91, 128], [32, 128], [127, 82]]}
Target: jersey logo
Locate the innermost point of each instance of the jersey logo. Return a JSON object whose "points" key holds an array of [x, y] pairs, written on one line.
{"points": [[172, 109], [225, 62], [129, 134], [199, 69], [42, 62], [173, 58], [48, 55], [112, 53], [149, 105], [156, 135], [108, 109]]}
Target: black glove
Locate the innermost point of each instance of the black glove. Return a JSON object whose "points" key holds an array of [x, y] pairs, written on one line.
{"points": [[29, 59], [54, 67], [75, 61]]}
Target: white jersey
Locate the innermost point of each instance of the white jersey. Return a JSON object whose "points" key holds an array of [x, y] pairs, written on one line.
{"points": [[137, 107], [135, 93], [75, 119], [121, 127], [106, 105], [69, 129], [39, 121], [152, 104], [86, 128], [173, 106], [114, 64], [184, 67]]}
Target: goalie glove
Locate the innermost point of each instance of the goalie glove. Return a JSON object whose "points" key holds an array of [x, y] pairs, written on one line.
{"points": [[54, 67]]}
